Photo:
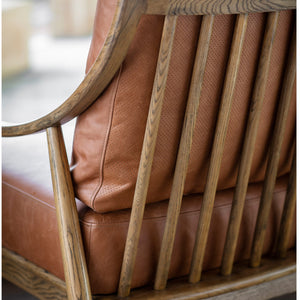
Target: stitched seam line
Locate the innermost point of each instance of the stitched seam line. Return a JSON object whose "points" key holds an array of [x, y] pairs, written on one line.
{"points": [[163, 217], [102, 159], [29, 195], [91, 224]]}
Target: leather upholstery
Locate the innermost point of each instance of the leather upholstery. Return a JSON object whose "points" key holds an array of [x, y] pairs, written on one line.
{"points": [[109, 135], [29, 225]]}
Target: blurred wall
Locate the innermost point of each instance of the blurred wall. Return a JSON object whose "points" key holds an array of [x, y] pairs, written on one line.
{"points": [[15, 34], [73, 17], [22, 19]]}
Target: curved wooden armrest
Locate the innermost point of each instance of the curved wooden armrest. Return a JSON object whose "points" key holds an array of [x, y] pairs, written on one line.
{"points": [[112, 54]]}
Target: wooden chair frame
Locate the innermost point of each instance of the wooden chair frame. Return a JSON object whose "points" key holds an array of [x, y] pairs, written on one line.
{"points": [[123, 28]]}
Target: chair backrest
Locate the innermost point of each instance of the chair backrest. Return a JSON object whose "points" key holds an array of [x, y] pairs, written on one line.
{"points": [[109, 135], [258, 94]]}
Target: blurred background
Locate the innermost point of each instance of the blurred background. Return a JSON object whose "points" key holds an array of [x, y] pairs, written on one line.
{"points": [[45, 45], [44, 49]]}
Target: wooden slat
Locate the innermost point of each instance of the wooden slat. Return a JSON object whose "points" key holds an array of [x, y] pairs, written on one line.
{"points": [[147, 155], [249, 145], [288, 214], [31, 278], [272, 167], [75, 269], [183, 153], [218, 146], [215, 7]]}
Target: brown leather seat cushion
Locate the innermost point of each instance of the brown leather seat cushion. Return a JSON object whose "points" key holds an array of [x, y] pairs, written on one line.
{"points": [[30, 228], [109, 135]]}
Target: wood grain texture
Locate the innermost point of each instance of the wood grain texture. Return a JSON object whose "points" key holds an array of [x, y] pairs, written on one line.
{"points": [[147, 155], [288, 214], [75, 269], [212, 284], [273, 160], [267, 290], [31, 278], [217, 150], [215, 7], [43, 285], [184, 153], [112, 54], [249, 144]]}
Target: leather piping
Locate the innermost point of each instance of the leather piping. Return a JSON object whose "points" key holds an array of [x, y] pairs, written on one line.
{"points": [[102, 158]]}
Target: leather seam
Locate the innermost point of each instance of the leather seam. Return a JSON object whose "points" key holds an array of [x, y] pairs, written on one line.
{"points": [[90, 224], [20, 191], [102, 159]]}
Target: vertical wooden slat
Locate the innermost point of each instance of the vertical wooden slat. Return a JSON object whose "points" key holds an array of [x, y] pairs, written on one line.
{"points": [[218, 146], [147, 155], [75, 269], [183, 153], [287, 218], [272, 167], [249, 145]]}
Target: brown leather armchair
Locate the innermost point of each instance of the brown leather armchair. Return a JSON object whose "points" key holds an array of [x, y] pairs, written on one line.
{"points": [[192, 175]]}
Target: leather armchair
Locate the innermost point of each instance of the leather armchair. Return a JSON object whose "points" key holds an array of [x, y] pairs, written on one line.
{"points": [[182, 158]]}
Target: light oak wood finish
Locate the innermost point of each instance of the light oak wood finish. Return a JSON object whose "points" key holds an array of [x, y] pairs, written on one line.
{"points": [[147, 155], [249, 145], [217, 150], [31, 278], [75, 269], [184, 153], [267, 290], [46, 286], [112, 54], [214, 284], [275, 147], [215, 7], [288, 213]]}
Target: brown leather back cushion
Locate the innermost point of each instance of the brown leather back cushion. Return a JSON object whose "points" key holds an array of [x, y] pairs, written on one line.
{"points": [[109, 135]]}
